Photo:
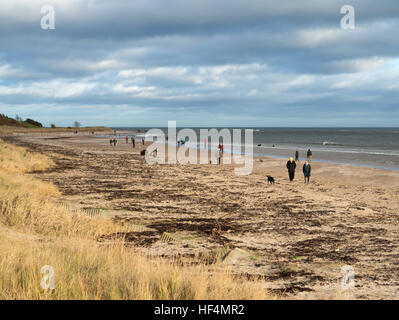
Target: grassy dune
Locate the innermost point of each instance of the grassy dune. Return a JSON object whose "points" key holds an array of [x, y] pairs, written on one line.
{"points": [[36, 231]]}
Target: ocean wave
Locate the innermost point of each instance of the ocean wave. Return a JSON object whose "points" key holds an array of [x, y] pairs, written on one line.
{"points": [[329, 143], [340, 150]]}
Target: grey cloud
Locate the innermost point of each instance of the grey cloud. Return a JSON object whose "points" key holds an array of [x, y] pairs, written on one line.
{"points": [[256, 58]]}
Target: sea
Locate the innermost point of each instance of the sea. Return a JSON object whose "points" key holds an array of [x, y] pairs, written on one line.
{"points": [[371, 147]]}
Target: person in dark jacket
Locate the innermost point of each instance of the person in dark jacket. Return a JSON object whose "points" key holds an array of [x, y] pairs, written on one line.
{"points": [[220, 156], [291, 165], [307, 169], [296, 155], [133, 142], [309, 154]]}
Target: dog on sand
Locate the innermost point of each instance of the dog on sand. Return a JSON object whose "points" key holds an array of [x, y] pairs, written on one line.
{"points": [[270, 180]]}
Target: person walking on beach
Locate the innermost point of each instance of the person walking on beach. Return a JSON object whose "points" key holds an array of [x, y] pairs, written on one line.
{"points": [[296, 155], [142, 140], [291, 165], [309, 155], [306, 171], [220, 155], [222, 148], [127, 139], [110, 142], [133, 142], [115, 141]]}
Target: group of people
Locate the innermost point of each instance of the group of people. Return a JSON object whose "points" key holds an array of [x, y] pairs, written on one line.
{"points": [[306, 169], [291, 164], [133, 141], [114, 141], [308, 154]]}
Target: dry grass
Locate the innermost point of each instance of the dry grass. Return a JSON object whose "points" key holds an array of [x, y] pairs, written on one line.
{"points": [[35, 231], [16, 160], [84, 270], [27, 204]]}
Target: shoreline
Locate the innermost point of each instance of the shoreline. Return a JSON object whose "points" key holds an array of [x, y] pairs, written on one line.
{"points": [[285, 153], [109, 133]]}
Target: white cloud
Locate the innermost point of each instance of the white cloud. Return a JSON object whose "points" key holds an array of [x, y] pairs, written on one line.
{"points": [[49, 89]]}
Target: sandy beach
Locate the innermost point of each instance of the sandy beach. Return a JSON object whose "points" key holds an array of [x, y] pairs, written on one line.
{"points": [[296, 236]]}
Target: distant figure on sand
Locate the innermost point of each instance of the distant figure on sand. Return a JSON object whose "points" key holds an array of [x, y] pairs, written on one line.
{"points": [[296, 155], [127, 139], [110, 142], [133, 142], [142, 140], [309, 154], [291, 165], [220, 155], [115, 141], [306, 171]]}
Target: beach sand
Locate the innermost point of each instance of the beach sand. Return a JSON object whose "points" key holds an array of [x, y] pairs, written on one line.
{"points": [[296, 236]]}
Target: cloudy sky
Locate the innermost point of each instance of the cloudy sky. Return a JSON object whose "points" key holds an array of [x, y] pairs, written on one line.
{"points": [[201, 63]]}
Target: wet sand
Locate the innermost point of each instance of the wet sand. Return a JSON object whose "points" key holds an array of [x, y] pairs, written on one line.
{"points": [[297, 236]]}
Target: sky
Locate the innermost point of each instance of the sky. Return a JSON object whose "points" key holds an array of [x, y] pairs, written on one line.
{"points": [[244, 63]]}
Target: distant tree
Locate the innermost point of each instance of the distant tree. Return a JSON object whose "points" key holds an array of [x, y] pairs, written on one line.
{"points": [[53, 126], [76, 124], [18, 118]]}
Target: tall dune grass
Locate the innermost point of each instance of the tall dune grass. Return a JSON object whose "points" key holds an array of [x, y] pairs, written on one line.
{"points": [[87, 271], [35, 231], [29, 204]]}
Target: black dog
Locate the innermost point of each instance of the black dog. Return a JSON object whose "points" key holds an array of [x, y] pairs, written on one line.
{"points": [[270, 179]]}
